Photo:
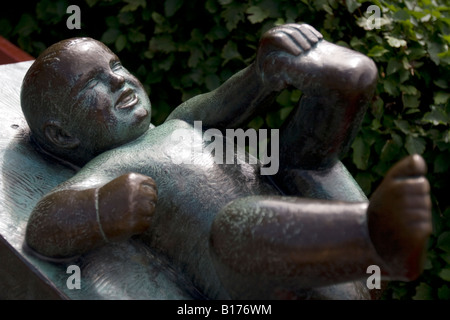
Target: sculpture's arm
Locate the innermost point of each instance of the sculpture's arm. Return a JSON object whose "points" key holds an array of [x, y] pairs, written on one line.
{"points": [[330, 77], [229, 106], [236, 101], [264, 244], [74, 219]]}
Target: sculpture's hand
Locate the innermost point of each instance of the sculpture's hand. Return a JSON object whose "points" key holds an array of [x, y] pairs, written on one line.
{"points": [[281, 44], [126, 205], [399, 218]]}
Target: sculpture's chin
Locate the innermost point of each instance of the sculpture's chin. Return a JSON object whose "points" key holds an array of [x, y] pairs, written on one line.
{"points": [[141, 114]]}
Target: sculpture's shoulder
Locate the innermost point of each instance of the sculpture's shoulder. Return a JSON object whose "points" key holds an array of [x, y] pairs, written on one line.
{"points": [[161, 135]]}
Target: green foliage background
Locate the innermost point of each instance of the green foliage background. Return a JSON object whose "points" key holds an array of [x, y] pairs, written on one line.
{"points": [[179, 49]]}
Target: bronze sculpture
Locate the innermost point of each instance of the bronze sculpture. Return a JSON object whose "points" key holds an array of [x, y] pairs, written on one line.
{"points": [[306, 232]]}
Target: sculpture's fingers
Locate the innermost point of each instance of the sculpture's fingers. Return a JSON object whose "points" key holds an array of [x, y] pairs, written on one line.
{"points": [[297, 37], [308, 32], [313, 31], [278, 39]]}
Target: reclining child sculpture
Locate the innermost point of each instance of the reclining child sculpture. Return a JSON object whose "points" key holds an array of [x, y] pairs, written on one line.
{"points": [[305, 232]]}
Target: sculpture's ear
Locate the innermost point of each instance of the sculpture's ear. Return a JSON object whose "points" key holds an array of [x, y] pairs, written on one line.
{"points": [[58, 136]]}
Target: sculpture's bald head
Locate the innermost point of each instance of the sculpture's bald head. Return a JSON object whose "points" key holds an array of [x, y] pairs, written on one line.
{"points": [[80, 101]]}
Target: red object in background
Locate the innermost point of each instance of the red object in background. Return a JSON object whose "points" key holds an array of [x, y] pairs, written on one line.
{"points": [[9, 53]]}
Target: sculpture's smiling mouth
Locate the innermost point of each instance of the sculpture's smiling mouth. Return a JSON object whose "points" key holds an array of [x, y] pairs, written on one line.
{"points": [[127, 99]]}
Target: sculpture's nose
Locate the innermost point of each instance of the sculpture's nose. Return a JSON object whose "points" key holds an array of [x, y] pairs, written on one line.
{"points": [[116, 82]]}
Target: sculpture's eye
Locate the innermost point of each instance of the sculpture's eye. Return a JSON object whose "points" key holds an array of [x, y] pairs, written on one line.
{"points": [[90, 84], [116, 65]]}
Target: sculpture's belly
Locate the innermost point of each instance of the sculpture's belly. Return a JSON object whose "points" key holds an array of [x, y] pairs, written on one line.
{"points": [[188, 201]]}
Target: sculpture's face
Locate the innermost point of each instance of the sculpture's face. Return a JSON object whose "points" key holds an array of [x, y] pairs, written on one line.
{"points": [[108, 104]]}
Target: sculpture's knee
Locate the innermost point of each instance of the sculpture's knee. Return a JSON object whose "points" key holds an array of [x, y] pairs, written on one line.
{"points": [[360, 76], [345, 70]]}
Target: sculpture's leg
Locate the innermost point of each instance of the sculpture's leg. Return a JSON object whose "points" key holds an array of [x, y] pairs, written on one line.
{"points": [[338, 87], [272, 246], [281, 247]]}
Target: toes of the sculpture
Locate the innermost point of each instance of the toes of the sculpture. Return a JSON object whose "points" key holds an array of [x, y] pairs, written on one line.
{"points": [[410, 166]]}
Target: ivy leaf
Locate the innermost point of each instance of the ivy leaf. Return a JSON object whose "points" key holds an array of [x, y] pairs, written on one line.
{"points": [[436, 116], [445, 257], [230, 52], [133, 5], [391, 148], [126, 18], [212, 81], [401, 15], [400, 292], [395, 42], [443, 241], [423, 292], [391, 87], [162, 43], [444, 293], [167, 63], [195, 57], [415, 145], [445, 274], [441, 97], [377, 51], [256, 123], [411, 101], [361, 153], [136, 36], [91, 3], [120, 42], [441, 83], [50, 11], [444, 56], [112, 22], [409, 90], [416, 53], [364, 180], [352, 5], [211, 6], [403, 125], [284, 112], [172, 6], [27, 24], [441, 164], [158, 18], [434, 49], [256, 14], [393, 66], [216, 33], [110, 35], [233, 14]]}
